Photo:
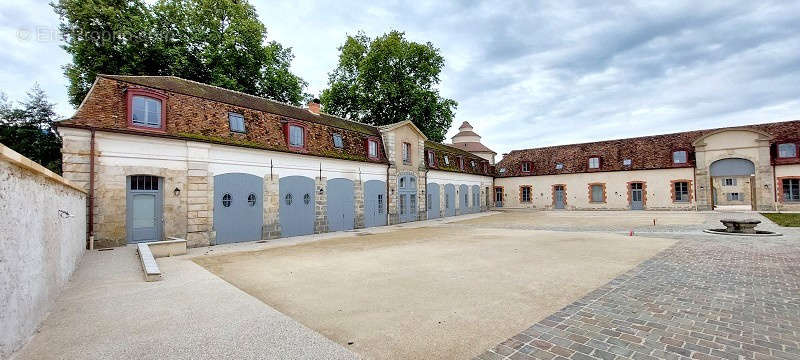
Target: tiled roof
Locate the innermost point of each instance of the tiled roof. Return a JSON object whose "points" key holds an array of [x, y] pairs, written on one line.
{"points": [[647, 152], [472, 147], [440, 150], [210, 92]]}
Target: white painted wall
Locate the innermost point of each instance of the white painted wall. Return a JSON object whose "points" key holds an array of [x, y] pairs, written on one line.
{"points": [[39, 247]]}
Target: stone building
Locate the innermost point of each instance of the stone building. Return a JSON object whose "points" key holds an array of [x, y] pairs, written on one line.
{"points": [[751, 167], [163, 157]]}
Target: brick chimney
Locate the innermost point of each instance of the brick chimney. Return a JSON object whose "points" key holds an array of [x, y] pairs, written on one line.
{"points": [[313, 106]]}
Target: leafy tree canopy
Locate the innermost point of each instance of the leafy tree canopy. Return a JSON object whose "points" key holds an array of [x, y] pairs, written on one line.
{"points": [[218, 42], [389, 79], [27, 128]]}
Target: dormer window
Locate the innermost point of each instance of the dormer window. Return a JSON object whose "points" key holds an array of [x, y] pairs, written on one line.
{"points": [[472, 163], [627, 162], [146, 109], [787, 150], [559, 166], [431, 158], [446, 160], [485, 167], [594, 162], [526, 166], [461, 163], [372, 149], [297, 136], [337, 141], [679, 157]]}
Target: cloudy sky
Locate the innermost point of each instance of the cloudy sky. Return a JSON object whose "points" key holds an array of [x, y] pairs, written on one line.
{"points": [[527, 73]]}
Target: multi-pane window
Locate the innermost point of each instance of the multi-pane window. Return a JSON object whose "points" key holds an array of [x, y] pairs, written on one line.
{"points": [[526, 167], [525, 194], [296, 136], [373, 148], [236, 122], [594, 163], [730, 182], [431, 158], [146, 111], [597, 193], [791, 189], [679, 157], [144, 182], [406, 153], [682, 191], [733, 196], [337, 141], [787, 150]]}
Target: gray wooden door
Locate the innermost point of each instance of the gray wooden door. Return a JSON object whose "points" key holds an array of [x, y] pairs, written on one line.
{"points": [[636, 196], [296, 211], [449, 200], [144, 217], [559, 197], [463, 199], [374, 203], [238, 207], [407, 198], [476, 198], [341, 207], [498, 197], [433, 200]]}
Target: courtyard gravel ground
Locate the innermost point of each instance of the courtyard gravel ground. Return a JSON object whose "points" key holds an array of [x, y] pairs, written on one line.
{"points": [[707, 297]]}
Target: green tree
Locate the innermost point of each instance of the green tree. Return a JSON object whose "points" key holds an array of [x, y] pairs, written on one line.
{"points": [[389, 79], [28, 129], [218, 42]]}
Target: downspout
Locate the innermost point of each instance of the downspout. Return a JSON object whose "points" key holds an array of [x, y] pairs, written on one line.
{"points": [[775, 188], [694, 181], [91, 190], [387, 193]]}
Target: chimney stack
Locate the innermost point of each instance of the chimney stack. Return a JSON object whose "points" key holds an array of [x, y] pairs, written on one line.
{"points": [[313, 106]]}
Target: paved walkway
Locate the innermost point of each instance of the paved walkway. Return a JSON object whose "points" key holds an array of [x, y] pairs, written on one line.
{"points": [[707, 297]]}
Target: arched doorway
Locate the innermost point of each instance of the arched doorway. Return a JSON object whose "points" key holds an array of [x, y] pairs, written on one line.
{"points": [[733, 184]]}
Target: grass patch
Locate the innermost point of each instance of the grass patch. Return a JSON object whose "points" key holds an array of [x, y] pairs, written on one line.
{"points": [[791, 220]]}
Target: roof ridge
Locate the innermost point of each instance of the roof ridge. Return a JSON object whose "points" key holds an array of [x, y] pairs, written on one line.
{"points": [[652, 136]]}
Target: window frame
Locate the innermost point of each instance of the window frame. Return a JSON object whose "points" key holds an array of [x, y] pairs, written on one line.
{"points": [[373, 139], [788, 190], [603, 198], [230, 127], [730, 196], [131, 93], [678, 195], [793, 145], [461, 163], [522, 189], [732, 182], [287, 132], [525, 164], [446, 160], [559, 166], [629, 162], [431, 158], [685, 159], [406, 152]]}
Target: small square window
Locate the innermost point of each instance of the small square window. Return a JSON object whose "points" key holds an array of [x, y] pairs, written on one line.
{"points": [[594, 163], [679, 157], [296, 136], [236, 122], [559, 166], [337, 141], [787, 150], [730, 182], [526, 167], [733, 197], [627, 162]]}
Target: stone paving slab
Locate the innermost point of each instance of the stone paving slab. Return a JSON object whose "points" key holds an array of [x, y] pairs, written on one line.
{"points": [[707, 298]]}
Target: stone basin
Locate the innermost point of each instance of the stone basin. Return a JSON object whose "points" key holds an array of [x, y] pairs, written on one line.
{"points": [[745, 226]]}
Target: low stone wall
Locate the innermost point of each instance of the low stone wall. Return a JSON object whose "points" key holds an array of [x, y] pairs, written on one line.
{"points": [[42, 240]]}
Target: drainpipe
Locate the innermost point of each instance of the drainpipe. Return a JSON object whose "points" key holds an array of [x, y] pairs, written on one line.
{"points": [[91, 190], [774, 189], [694, 181], [387, 193]]}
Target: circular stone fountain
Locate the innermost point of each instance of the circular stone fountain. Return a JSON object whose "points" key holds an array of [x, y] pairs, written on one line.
{"points": [[741, 227]]}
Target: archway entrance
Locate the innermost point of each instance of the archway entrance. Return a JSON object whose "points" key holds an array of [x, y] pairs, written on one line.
{"points": [[733, 184]]}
